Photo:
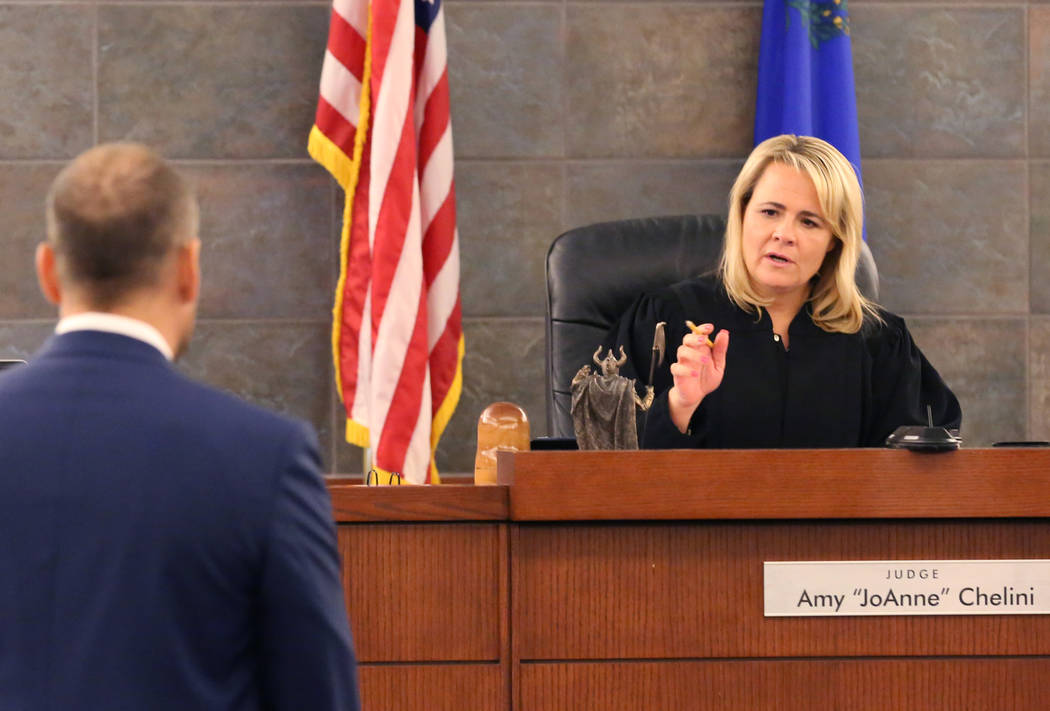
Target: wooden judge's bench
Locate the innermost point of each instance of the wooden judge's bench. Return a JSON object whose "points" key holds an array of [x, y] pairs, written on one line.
{"points": [[634, 580]]}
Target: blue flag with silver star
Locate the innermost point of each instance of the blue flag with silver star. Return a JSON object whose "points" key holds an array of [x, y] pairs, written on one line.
{"points": [[805, 74]]}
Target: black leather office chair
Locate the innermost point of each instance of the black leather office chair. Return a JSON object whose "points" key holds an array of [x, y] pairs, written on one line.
{"points": [[595, 272]]}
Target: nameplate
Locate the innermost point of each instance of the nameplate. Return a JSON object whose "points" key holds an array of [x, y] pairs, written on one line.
{"points": [[906, 587]]}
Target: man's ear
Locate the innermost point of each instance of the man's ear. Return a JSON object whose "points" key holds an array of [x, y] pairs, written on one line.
{"points": [[188, 271], [47, 273]]}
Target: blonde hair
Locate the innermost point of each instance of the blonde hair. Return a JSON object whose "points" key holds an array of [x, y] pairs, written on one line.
{"points": [[836, 302]]}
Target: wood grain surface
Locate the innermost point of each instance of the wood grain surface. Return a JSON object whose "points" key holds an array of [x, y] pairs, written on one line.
{"points": [[695, 590], [432, 687], [424, 592], [633, 580], [776, 484], [356, 503], [789, 685]]}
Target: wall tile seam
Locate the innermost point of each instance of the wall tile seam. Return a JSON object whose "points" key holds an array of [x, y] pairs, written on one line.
{"points": [[722, 159], [563, 166], [571, 161], [583, 157], [563, 97], [971, 159], [957, 4], [713, 4], [505, 319], [1029, 396], [238, 162], [190, 3], [563, 206], [865, 158], [552, 161], [1031, 417], [34, 162], [499, 161], [508, 157], [586, 162], [186, 162], [504, 3], [164, 3], [1026, 74], [994, 317], [1006, 316], [334, 410], [949, 5], [1040, 159], [95, 63], [597, 162], [1018, 161], [277, 321], [718, 4]]}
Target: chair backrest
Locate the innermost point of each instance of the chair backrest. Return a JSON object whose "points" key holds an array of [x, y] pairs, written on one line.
{"points": [[595, 272]]}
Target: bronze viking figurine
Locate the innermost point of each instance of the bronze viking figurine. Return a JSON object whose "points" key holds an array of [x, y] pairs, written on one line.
{"points": [[604, 405]]}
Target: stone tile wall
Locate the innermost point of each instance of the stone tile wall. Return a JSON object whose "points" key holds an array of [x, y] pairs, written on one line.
{"points": [[564, 113]]}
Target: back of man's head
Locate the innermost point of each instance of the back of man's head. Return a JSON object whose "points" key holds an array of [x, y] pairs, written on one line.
{"points": [[114, 215]]}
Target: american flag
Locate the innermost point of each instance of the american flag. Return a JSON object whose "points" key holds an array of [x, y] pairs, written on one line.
{"points": [[383, 131]]}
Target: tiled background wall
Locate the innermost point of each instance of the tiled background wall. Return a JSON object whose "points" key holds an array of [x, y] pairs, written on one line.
{"points": [[564, 113]]}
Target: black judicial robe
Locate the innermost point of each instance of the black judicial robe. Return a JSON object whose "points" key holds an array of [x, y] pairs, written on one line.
{"points": [[827, 390]]}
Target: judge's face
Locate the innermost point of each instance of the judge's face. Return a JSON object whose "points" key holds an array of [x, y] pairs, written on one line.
{"points": [[785, 234]]}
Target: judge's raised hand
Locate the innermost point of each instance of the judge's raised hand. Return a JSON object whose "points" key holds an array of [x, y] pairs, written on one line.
{"points": [[697, 371]]}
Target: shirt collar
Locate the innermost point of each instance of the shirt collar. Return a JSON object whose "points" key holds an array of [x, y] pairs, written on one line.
{"points": [[113, 323]]}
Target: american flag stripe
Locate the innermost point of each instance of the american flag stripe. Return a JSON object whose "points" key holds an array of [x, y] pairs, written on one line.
{"points": [[354, 12], [385, 17], [444, 331], [399, 397], [397, 333], [341, 73], [404, 438], [394, 131], [444, 342], [440, 240], [438, 249], [444, 309], [347, 46], [436, 185], [395, 218], [328, 144], [432, 64], [398, 271], [435, 116]]}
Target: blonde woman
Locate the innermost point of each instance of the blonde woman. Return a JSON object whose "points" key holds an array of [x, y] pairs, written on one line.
{"points": [[788, 352]]}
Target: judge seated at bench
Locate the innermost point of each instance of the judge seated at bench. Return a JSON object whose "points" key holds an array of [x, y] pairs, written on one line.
{"points": [[786, 351]]}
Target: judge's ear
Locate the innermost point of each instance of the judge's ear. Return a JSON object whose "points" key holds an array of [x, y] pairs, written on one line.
{"points": [[47, 273], [188, 271]]}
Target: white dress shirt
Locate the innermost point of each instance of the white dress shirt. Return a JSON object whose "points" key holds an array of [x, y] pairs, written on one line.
{"points": [[112, 323]]}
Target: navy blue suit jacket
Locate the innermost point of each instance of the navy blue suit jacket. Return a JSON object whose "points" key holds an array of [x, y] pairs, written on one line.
{"points": [[162, 545]]}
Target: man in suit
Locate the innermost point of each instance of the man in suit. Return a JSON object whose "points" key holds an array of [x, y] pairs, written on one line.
{"points": [[162, 545]]}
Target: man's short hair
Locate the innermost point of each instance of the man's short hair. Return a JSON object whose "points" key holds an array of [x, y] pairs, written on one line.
{"points": [[113, 215]]}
